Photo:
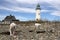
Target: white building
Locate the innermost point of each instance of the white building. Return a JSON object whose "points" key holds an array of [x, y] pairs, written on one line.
{"points": [[38, 13]]}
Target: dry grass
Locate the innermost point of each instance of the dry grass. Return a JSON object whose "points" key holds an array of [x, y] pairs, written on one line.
{"points": [[47, 31]]}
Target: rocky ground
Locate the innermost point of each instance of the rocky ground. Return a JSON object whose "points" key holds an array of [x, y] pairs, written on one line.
{"points": [[47, 31]]}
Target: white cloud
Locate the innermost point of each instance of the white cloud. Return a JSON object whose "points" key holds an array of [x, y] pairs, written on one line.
{"points": [[56, 13], [27, 1], [18, 9], [2, 17], [23, 1], [5, 8], [54, 3], [45, 10], [21, 18]]}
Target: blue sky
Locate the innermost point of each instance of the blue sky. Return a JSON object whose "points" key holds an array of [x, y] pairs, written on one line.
{"points": [[25, 9]]}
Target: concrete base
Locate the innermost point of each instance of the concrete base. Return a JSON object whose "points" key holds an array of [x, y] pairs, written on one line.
{"points": [[37, 24]]}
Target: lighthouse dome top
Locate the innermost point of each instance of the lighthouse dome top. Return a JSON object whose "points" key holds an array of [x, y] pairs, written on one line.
{"points": [[38, 7]]}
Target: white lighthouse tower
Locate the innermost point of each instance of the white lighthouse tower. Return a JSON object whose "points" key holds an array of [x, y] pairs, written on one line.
{"points": [[38, 13], [37, 19]]}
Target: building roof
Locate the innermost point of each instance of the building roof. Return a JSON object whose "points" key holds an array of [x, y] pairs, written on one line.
{"points": [[10, 18]]}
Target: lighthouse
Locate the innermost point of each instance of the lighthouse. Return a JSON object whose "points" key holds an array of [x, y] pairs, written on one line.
{"points": [[37, 19], [37, 13]]}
